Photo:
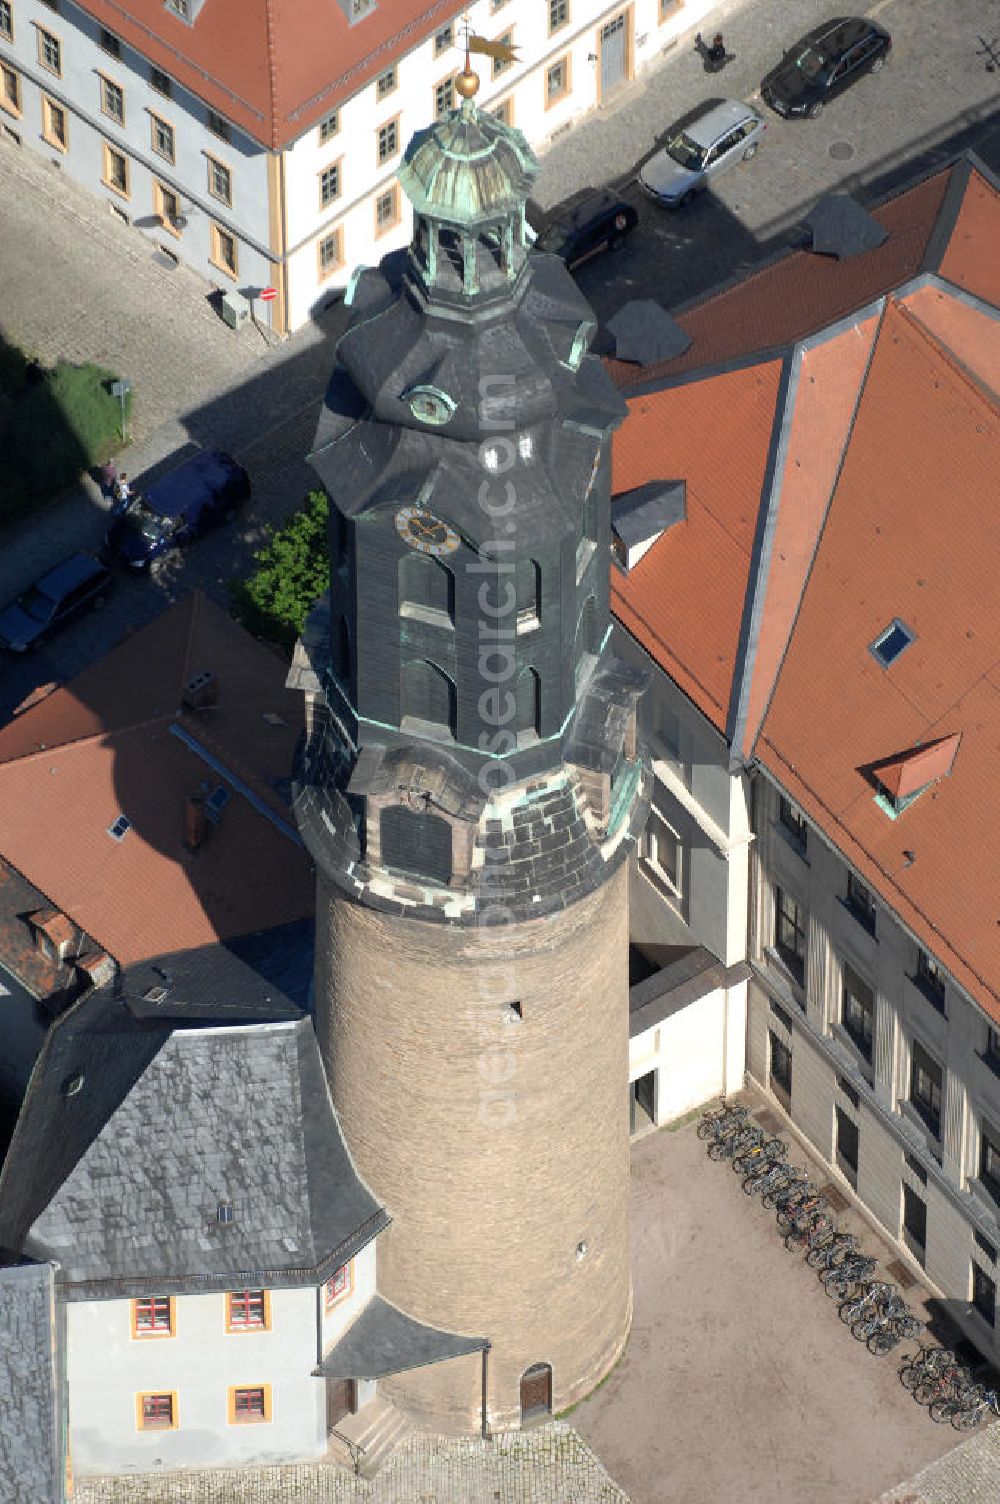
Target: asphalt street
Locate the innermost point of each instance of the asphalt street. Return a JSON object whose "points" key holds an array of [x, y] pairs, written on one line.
{"points": [[72, 281]]}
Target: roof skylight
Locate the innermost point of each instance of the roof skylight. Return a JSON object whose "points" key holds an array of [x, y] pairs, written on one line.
{"points": [[120, 828], [889, 644]]}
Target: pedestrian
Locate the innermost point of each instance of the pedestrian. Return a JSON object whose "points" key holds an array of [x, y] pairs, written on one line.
{"points": [[109, 479], [715, 57], [122, 490]]}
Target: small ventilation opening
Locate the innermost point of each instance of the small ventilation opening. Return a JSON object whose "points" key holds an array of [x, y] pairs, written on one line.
{"points": [[889, 644], [120, 828]]}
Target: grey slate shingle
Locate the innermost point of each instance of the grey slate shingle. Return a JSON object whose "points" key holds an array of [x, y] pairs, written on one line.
{"points": [[31, 1464]]}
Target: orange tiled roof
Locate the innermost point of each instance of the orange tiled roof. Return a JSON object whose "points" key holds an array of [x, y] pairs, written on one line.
{"points": [[866, 490], [116, 741], [275, 67]]}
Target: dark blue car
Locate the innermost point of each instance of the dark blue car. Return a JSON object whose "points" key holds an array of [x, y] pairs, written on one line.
{"points": [[80, 583], [203, 492]]}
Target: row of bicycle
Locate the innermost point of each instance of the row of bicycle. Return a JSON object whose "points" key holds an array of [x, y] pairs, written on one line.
{"points": [[872, 1308]]}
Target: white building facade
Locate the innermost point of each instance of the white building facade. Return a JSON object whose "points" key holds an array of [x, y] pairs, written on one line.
{"points": [[295, 200]]}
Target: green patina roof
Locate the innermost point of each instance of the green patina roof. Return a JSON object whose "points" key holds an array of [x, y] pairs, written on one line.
{"points": [[468, 168]]}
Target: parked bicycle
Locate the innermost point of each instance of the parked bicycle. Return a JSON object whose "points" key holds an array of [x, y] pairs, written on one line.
{"points": [[733, 1143], [927, 1362], [846, 1276], [874, 1295], [793, 1190], [966, 1411], [795, 1213], [814, 1222], [892, 1328], [715, 1118], [828, 1246], [768, 1151], [761, 1181], [949, 1382]]}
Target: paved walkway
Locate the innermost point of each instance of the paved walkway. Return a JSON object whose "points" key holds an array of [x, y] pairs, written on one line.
{"points": [[968, 1475], [551, 1465]]}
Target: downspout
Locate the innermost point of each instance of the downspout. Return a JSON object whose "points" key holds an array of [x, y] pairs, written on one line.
{"points": [[486, 1372]]}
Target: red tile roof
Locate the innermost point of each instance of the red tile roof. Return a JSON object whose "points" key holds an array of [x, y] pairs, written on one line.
{"points": [[917, 768], [117, 741], [274, 67], [866, 490]]}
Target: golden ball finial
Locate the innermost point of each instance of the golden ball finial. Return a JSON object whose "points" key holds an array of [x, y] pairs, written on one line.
{"points": [[467, 83]]}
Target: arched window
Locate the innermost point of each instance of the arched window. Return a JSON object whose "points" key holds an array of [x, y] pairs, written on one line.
{"points": [[427, 699], [426, 587], [527, 587], [528, 703]]}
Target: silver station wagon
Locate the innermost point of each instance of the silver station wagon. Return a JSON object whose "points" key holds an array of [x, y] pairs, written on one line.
{"points": [[698, 148]]}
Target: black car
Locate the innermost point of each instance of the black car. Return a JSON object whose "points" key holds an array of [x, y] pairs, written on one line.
{"points": [[207, 489], [78, 584], [592, 220], [827, 60]]}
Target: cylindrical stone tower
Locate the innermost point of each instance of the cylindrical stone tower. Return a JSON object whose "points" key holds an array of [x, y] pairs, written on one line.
{"points": [[470, 788]]}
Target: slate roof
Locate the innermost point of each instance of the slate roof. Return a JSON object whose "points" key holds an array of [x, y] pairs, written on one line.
{"points": [[275, 67], [118, 741], [31, 1460], [835, 484], [841, 227], [645, 334], [648, 510], [384, 1340], [239, 1116]]}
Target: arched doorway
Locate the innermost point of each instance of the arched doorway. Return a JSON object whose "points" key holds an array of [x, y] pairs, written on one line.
{"points": [[536, 1393]]}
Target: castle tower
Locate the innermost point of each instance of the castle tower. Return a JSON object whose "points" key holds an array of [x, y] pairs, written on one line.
{"points": [[470, 788]]}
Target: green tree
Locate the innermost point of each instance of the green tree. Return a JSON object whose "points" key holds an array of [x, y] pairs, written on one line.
{"points": [[293, 572]]}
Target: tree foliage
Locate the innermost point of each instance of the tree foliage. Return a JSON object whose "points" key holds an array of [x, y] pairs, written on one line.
{"points": [[293, 572]]}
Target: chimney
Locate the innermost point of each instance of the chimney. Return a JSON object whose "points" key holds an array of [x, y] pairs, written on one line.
{"points": [[96, 971], [201, 692], [55, 935], [196, 826]]}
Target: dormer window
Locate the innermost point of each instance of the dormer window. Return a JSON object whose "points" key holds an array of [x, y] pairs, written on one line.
{"points": [[900, 780], [429, 404]]}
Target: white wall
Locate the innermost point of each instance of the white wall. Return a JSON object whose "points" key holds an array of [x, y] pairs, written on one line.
{"points": [[698, 1052]]}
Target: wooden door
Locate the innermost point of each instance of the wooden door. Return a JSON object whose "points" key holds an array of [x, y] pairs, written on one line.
{"points": [[341, 1400], [536, 1392]]}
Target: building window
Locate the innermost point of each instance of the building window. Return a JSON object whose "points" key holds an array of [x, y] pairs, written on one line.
{"points": [[793, 825], [167, 207], [248, 1311], [558, 15], [160, 82], [157, 1412], [388, 140], [115, 170], [329, 185], [861, 902], [930, 979], [915, 1223], [218, 126], [444, 97], [387, 210], [669, 8], [858, 1012], [790, 933], [180, 8], [496, 5], [848, 1142], [220, 181], [162, 137], [112, 100], [925, 1088], [338, 1287], [661, 857], [50, 52], [329, 127], [223, 253], [386, 83], [781, 1069], [330, 255], [444, 39], [110, 43], [989, 1162], [557, 81], [153, 1316], [984, 1294], [6, 20], [250, 1406], [501, 64], [54, 124], [10, 89], [504, 112]]}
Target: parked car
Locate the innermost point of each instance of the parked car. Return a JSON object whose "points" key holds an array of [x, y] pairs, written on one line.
{"points": [[591, 221], [826, 61], [698, 148], [204, 491], [80, 583]]}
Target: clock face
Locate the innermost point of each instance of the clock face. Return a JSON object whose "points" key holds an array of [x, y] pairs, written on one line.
{"points": [[423, 531]]}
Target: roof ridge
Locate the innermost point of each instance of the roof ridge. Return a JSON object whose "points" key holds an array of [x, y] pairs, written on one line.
{"points": [[272, 72]]}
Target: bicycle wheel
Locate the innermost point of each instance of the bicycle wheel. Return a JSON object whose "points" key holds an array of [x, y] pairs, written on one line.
{"points": [[968, 1418], [910, 1376], [717, 1149], [864, 1327], [882, 1342], [941, 1410]]}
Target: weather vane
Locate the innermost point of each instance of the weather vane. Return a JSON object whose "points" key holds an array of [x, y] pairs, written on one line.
{"points": [[467, 83]]}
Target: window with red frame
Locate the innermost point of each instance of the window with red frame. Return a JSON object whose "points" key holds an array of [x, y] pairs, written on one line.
{"points": [[338, 1286], [157, 1412], [249, 1404], [247, 1308], [153, 1316]]}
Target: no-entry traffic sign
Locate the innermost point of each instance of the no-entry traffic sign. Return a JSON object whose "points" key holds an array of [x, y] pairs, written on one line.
{"points": [[268, 294]]}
